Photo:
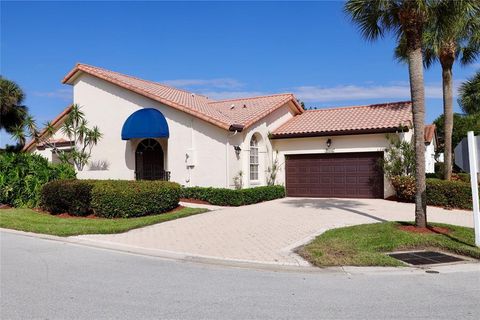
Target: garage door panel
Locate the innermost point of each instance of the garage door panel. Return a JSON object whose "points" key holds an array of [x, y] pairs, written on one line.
{"points": [[354, 175]]}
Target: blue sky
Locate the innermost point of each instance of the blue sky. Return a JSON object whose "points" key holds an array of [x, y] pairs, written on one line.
{"points": [[222, 49]]}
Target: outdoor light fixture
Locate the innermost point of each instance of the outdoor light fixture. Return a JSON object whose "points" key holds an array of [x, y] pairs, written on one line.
{"points": [[237, 149], [329, 142]]}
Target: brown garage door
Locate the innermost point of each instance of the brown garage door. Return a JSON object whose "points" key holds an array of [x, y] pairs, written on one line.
{"points": [[343, 175]]}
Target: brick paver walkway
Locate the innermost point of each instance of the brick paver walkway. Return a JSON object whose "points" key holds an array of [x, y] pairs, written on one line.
{"points": [[267, 232]]}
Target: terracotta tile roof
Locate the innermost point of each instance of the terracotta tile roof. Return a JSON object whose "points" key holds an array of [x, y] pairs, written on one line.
{"points": [[246, 111], [55, 123], [347, 120], [216, 112], [58, 142], [429, 132]]}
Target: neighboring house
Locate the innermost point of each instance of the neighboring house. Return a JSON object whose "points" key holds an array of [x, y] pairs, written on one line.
{"points": [[431, 143], [153, 131]]}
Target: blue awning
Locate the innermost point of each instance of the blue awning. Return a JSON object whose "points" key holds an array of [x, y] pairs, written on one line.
{"points": [[145, 123]]}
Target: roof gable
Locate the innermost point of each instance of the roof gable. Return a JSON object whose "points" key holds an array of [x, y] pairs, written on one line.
{"points": [[219, 113], [430, 133]]}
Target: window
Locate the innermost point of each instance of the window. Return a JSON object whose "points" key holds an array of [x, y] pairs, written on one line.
{"points": [[253, 159]]}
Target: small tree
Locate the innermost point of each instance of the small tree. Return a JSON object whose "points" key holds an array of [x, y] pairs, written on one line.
{"points": [[399, 158], [238, 180], [75, 128], [272, 170]]}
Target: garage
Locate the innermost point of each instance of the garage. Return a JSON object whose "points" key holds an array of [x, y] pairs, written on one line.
{"points": [[340, 175]]}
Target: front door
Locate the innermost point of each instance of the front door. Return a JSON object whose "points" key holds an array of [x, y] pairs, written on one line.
{"points": [[149, 161]]}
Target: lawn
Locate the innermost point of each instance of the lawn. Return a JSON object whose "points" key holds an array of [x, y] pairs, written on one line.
{"points": [[32, 221], [366, 245]]}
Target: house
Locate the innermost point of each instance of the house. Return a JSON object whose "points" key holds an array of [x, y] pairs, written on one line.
{"points": [[153, 131], [431, 143]]}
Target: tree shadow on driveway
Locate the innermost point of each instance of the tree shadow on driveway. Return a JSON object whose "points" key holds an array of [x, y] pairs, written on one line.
{"points": [[349, 205]]}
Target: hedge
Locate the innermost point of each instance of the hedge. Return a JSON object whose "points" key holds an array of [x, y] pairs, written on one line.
{"points": [[125, 199], [230, 197], [72, 196], [22, 176], [110, 198], [443, 193]]}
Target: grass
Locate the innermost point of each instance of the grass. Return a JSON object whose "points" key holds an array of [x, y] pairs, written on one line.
{"points": [[366, 245], [32, 221]]}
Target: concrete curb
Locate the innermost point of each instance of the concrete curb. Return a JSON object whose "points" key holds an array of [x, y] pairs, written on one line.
{"points": [[467, 266]]}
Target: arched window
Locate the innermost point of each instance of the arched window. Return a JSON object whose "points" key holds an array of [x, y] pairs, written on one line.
{"points": [[253, 159]]}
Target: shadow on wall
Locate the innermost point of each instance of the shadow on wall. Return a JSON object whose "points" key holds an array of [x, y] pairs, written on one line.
{"points": [[349, 205]]}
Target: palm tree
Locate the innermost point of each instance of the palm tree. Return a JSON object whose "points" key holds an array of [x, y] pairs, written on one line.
{"points": [[470, 95], [404, 18], [450, 34], [12, 110]]}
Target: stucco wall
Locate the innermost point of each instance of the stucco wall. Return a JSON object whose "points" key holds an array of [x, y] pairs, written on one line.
{"points": [[430, 158], [340, 144], [262, 129], [108, 106]]}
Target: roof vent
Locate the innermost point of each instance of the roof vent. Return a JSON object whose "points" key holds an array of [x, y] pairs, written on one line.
{"points": [[193, 95], [244, 105], [232, 106]]}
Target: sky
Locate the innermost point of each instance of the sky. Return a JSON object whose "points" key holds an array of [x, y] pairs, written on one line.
{"points": [[220, 49]]}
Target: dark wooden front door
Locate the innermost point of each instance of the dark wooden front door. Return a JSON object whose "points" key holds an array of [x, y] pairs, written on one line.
{"points": [[149, 161], [341, 175]]}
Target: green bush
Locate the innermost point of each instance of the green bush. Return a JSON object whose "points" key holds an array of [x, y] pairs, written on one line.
{"points": [[230, 197], [443, 193], [70, 196], [125, 199], [110, 198], [22, 176], [449, 194]]}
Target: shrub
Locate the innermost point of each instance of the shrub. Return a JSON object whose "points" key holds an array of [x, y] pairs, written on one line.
{"points": [[22, 176], [110, 198], [230, 197], [125, 199], [404, 187], [71, 196], [449, 194]]}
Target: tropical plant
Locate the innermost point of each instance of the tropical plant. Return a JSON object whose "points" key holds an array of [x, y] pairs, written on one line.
{"points": [[461, 125], [272, 170], [406, 19], [450, 34], [238, 180], [22, 176], [12, 110], [399, 158], [75, 128], [469, 92]]}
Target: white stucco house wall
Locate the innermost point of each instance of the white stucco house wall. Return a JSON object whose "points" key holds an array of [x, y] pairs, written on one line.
{"points": [[153, 131], [431, 143]]}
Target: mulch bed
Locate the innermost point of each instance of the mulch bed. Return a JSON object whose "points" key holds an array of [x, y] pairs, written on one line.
{"points": [[414, 229], [66, 215], [191, 200], [5, 206]]}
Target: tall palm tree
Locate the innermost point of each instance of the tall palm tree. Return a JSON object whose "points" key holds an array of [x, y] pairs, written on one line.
{"points": [[469, 91], [451, 34], [404, 18], [12, 110]]}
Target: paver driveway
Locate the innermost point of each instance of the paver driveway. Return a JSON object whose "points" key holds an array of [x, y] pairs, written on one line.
{"points": [[267, 232]]}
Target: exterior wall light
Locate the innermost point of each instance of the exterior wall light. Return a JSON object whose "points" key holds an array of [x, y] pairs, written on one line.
{"points": [[237, 149], [329, 142]]}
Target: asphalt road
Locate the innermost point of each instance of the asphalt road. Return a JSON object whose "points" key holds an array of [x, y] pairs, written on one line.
{"points": [[46, 279]]}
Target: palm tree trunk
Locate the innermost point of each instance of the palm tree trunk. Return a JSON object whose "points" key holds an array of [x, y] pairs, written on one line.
{"points": [[448, 117], [417, 90]]}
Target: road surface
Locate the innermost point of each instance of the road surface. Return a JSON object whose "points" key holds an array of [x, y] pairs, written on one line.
{"points": [[44, 279]]}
